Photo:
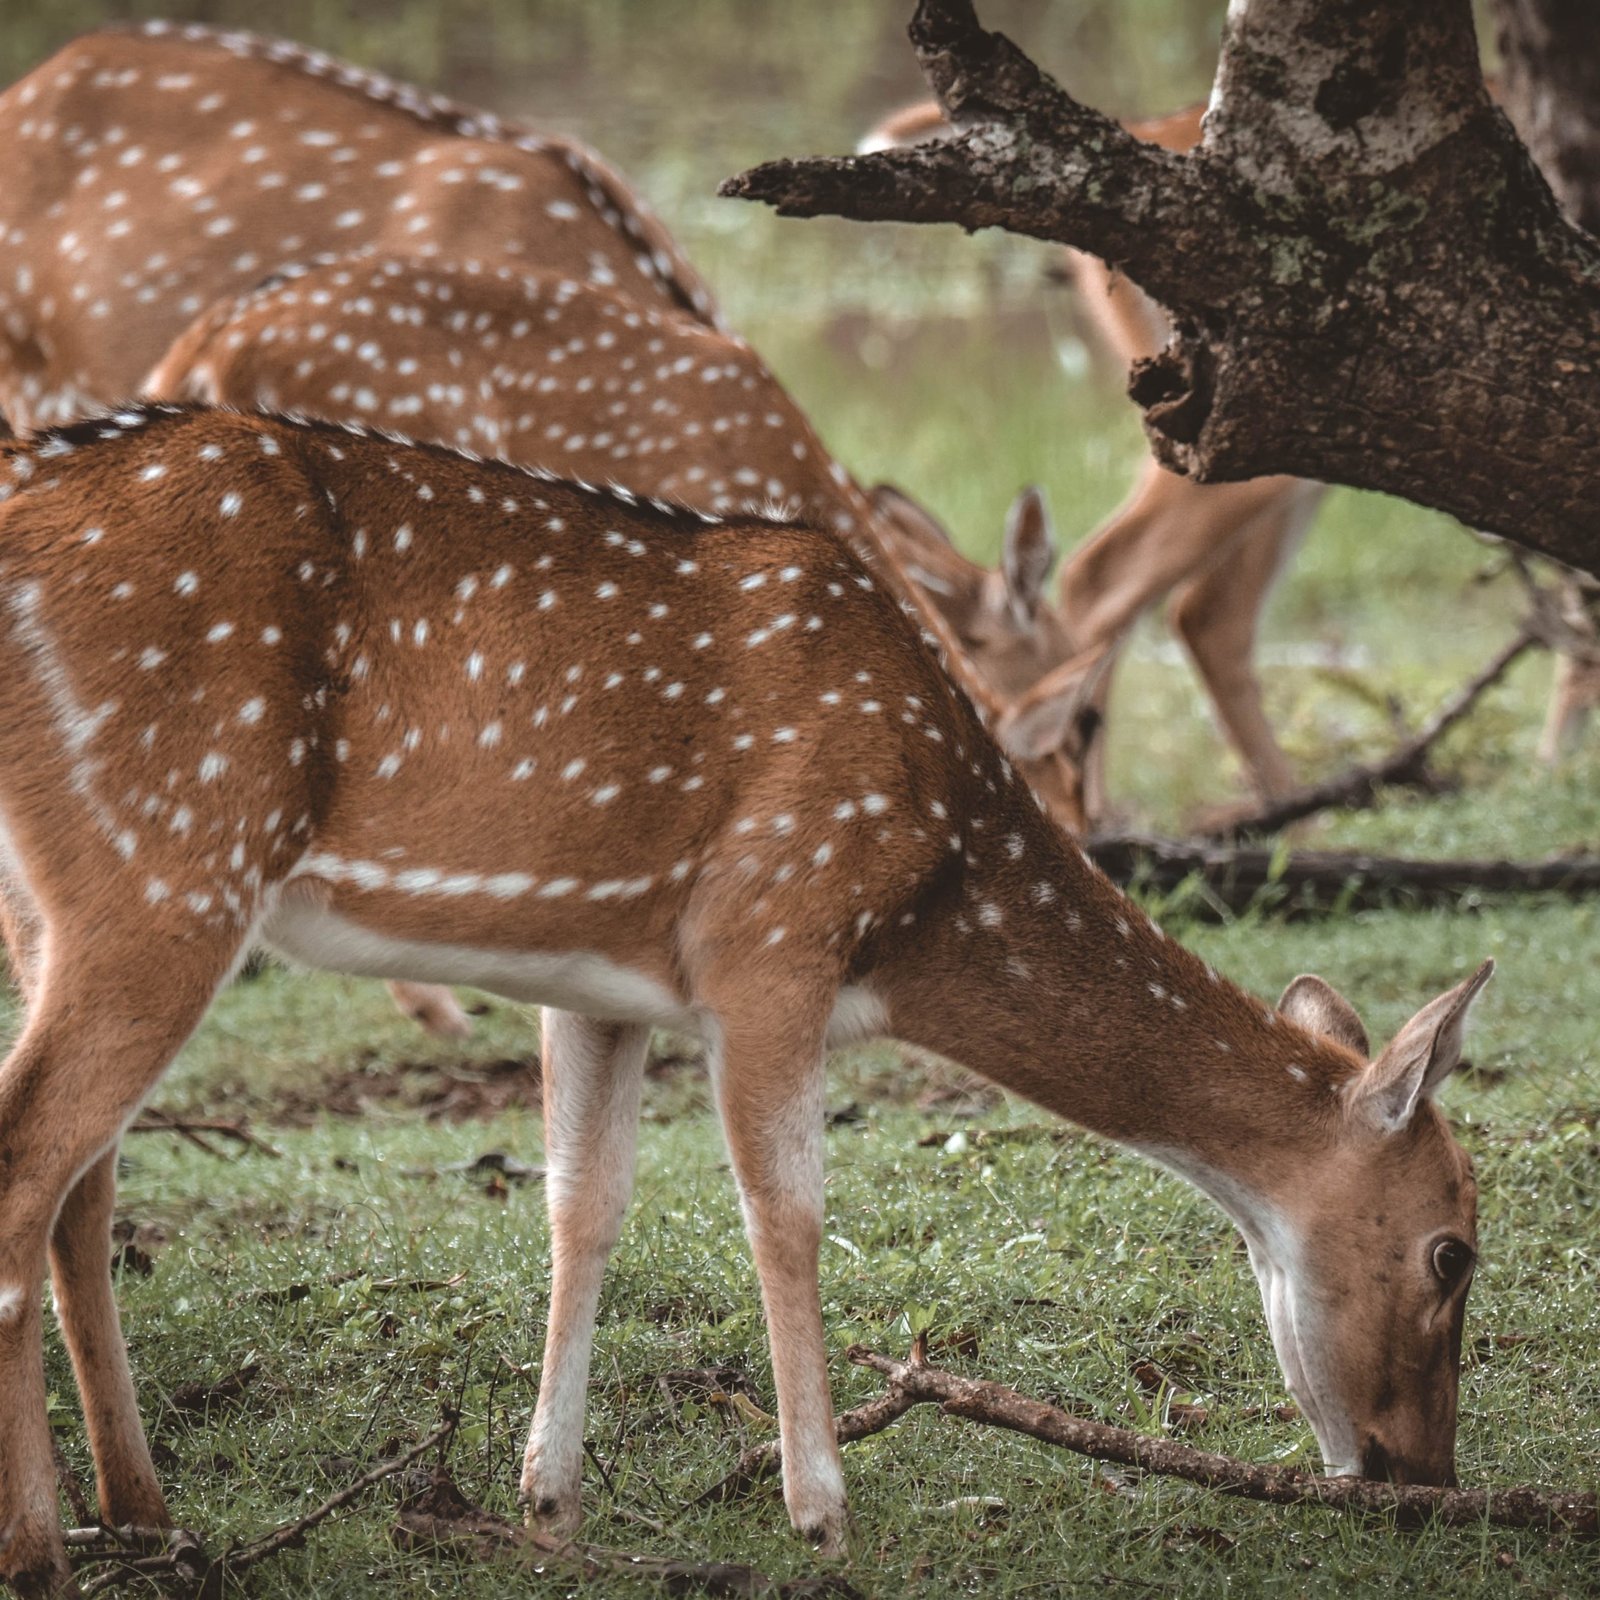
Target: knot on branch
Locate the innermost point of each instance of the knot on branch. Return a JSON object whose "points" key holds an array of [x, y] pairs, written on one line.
{"points": [[1175, 389]]}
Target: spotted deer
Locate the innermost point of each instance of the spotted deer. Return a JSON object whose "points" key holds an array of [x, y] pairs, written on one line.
{"points": [[1215, 548], [396, 711], [156, 167], [542, 370], [539, 369]]}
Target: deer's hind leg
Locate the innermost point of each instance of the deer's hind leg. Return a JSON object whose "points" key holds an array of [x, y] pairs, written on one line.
{"points": [[99, 1033], [80, 1276], [1217, 614]]}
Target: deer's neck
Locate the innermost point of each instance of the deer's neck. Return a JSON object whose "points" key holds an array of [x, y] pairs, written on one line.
{"points": [[1030, 967]]}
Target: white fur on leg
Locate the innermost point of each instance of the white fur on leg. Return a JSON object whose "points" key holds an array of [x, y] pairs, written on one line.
{"points": [[10, 1302], [775, 1140], [593, 1075]]}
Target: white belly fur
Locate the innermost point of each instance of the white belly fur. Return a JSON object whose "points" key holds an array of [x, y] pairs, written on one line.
{"points": [[572, 980], [569, 980]]}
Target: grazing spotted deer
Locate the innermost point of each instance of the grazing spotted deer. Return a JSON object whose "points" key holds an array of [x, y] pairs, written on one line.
{"points": [[1215, 548], [395, 711], [156, 167]]}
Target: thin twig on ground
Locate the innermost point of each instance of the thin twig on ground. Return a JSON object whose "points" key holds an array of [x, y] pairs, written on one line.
{"points": [[292, 1533], [1406, 763], [178, 1554], [71, 1484], [154, 1120], [914, 1382]]}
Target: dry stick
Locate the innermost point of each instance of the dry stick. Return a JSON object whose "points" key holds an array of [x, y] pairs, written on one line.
{"points": [[762, 1459], [247, 1555], [154, 1120], [1234, 876], [914, 1383], [1403, 764], [70, 1483], [178, 1551]]}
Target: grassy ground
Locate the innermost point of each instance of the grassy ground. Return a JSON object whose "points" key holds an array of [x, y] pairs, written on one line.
{"points": [[1043, 1258], [1038, 1257]]}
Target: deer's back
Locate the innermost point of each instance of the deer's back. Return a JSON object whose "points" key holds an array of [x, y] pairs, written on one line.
{"points": [[534, 367], [275, 649], [156, 169]]}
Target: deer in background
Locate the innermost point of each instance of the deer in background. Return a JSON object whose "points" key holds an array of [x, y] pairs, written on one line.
{"points": [[156, 167], [398, 712], [1214, 548], [541, 370]]}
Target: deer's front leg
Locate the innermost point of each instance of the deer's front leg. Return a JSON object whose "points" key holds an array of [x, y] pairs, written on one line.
{"points": [[770, 1093], [80, 1253], [593, 1072]]}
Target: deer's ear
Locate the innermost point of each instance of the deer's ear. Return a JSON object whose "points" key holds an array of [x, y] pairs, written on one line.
{"points": [[1030, 551], [1057, 714], [908, 518], [1318, 1007], [1419, 1057]]}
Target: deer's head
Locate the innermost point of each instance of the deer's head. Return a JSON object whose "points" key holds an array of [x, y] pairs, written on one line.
{"points": [[1365, 1253], [1016, 639]]}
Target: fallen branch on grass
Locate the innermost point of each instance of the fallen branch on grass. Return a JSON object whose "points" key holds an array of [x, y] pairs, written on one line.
{"points": [[764, 1459], [154, 1120], [913, 1383], [1406, 763], [177, 1554], [1235, 876]]}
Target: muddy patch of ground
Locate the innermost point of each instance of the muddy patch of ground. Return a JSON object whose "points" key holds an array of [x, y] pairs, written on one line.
{"points": [[439, 1093]]}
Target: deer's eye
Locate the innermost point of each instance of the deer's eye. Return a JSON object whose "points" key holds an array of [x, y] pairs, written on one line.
{"points": [[1452, 1259]]}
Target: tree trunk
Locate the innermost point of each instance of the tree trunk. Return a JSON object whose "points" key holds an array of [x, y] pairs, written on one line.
{"points": [[1370, 281]]}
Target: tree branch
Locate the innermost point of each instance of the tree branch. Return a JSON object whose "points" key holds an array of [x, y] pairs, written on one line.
{"points": [[996, 1405], [177, 1555], [1370, 281], [1028, 158]]}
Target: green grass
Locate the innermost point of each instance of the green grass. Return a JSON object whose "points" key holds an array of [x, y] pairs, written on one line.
{"points": [[1052, 1261]]}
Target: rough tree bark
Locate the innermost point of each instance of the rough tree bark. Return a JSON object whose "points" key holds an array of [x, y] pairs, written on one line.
{"points": [[1370, 280]]}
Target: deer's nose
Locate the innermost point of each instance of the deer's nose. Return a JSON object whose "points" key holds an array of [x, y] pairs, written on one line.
{"points": [[1377, 1461]]}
